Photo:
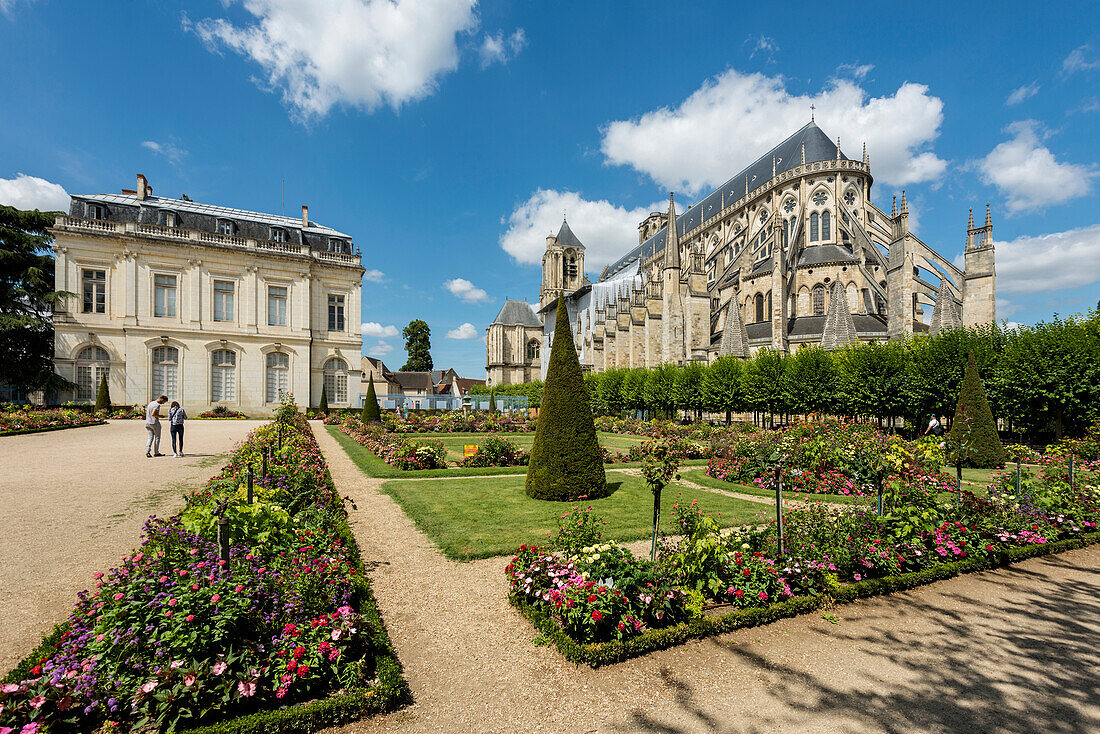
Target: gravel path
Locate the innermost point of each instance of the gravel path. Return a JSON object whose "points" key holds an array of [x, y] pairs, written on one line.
{"points": [[73, 502], [1003, 651]]}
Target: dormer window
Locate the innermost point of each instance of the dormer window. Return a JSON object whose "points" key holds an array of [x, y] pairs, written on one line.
{"points": [[95, 211], [278, 234], [225, 226], [337, 245], [166, 219]]}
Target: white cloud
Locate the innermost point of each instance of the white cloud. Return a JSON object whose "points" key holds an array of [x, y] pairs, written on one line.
{"points": [[360, 53], [1079, 60], [854, 71], [7, 6], [465, 290], [31, 192], [1049, 262], [374, 276], [763, 45], [380, 348], [1019, 94], [606, 230], [1028, 175], [734, 118], [172, 152], [374, 329], [498, 49], [466, 331]]}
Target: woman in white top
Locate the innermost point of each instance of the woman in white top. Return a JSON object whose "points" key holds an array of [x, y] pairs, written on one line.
{"points": [[176, 416]]}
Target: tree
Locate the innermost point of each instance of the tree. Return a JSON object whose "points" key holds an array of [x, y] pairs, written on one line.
{"points": [[632, 389], [873, 379], [566, 462], [611, 396], [102, 396], [764, 384], [323, 405], [657, 393], [27, 301], [687, 390], [973, 429], [371, 411], [722, 386], [418, 345], [812, 380]]}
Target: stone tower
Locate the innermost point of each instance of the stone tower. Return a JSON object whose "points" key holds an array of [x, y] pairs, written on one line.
{"points": [[901, 286], [562, 265], [672, 311], [979, 278]]}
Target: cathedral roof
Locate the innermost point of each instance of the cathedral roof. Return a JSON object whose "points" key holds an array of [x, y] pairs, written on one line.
{"points": [[821, 254], [517, 312], [786, 155], [566, 238]]}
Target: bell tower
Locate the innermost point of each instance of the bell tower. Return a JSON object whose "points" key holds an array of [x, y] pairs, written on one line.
{"points": [[979, 290], [562, 265]]}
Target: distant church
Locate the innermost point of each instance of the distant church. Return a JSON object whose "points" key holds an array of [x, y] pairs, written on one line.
{"points": [[790, 251]]}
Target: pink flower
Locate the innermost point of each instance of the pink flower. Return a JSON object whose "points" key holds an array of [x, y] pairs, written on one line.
{"points": [[163, 579], [119, 596], [763, 596], [172, 602], [218, 668], [214, 599], [9, 688], [37, 701], [190, 617], [189, 680], [176, 664], [97, 575], [148, 686], [247, 689]]}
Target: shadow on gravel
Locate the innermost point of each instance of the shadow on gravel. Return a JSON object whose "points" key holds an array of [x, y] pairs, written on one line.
{"points": [[1028, 664]]}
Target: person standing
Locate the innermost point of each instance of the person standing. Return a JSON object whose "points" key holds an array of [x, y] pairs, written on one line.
{"points": [[152, 425], [176, 416]]}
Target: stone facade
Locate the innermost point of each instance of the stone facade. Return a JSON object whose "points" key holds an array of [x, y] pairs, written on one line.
{"points": [[779, 246], [513, 343], [209, 305]]}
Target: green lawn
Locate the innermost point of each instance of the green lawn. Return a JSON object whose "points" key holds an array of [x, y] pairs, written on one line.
{"points": [[699, 476], [372, 466], [479, 518], [980, 476], [454, 442]]}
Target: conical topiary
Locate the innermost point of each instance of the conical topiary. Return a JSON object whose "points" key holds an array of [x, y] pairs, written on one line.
{"points": [[974, 431], [323, 405], [566, 462], [492, 401], [370, 406], [103, 396]]}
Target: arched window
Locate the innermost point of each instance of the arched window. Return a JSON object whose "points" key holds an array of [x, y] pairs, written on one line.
{"points": [[571, 267], [278, 376], [336, 380], [166, 362], [880, 304], [533, 349], [825, 219], [92, 365], [818, 298], [759, 307], [813, 228], [223, 376], [768, 299]]}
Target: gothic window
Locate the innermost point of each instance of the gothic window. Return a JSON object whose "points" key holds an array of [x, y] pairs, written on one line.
{"points": [[850, 197], [880, 304], [763, 216], [533, 349], [336, 380], [825, 218], [819, 198], [788, 206], [223, 375], [814, 227], [759, 307], [768, 300], [818, 297], [92, 365]]}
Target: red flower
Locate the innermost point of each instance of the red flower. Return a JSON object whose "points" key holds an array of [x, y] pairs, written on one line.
{"points": [[591, 598], [596, 615], [746, 572], [739, 593]]}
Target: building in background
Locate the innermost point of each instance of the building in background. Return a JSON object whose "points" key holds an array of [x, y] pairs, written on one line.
{"points": [[513, 345], [424, 390], [205, 304]]}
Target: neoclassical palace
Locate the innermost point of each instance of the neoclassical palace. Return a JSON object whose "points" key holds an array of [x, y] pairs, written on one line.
{"points": [[789, 251], [205, 304]]}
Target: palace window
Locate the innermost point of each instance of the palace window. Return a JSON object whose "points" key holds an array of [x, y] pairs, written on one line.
{"points": [[276, 305], [165, 371], [825, 220], [164, 296], [336, 245], [533, 349], [95, 291], [814, 237], [166, 219], [335, 313], [95, 211], [223, 376], [277, 377], [336, 380], [92, 365], [225, 226], [223, 300], [820, 198], [818, 297], [278, 234]]}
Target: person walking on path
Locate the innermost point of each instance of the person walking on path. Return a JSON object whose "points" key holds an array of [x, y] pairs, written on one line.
{"points": [[152, 425], [176, 416]]}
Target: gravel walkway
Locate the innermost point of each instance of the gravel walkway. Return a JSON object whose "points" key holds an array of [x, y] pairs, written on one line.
{"points": [[1002, 651], [73, 502]]}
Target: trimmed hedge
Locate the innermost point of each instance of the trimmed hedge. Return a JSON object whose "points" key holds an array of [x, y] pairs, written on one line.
{"points": [[596, 654], [25, 431]]}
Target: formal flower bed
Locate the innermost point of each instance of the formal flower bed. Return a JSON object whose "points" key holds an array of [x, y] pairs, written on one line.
{"points": [[16, 419], [597, 602], [222, 413], [410, 454], [177, 636], [474, 421], [497, 451]]}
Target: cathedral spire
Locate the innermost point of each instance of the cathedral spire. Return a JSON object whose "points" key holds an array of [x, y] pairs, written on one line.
{"points": [[894, 207], [840, 327], [945, 315], [988, 216], [970, 224], [672, 243], [904, 203]]}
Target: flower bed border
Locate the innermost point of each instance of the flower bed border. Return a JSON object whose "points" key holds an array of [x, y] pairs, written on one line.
{"points": [[391, 691], [597, 654], [25, 431]]}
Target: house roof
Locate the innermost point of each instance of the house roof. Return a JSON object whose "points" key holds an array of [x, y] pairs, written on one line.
{"points": [[517, 312], [414, 380], [787, 155]]}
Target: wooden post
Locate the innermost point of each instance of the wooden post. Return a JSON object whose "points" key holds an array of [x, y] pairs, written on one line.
{"points": [[223, 539]]}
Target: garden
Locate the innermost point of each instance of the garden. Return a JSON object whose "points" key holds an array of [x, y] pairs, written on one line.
{"points": [[248, 611], [19, 419]]}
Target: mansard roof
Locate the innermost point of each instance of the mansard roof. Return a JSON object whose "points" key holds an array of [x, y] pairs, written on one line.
{"points": [[517, 312], [566, 238], [787, 155]]}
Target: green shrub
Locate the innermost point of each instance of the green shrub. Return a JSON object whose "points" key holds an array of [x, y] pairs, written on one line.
{"points": [[371, 411], [323, 405], [973, 431], [103, 396], [566, 462]]}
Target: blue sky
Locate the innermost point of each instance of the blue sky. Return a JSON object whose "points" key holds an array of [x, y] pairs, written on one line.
{"points": [[447, 136]]}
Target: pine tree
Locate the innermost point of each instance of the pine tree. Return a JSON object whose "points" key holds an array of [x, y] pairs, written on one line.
{"points": [[566, 462], [974, 429], [370, 412], [323, 405], [103, 396]]}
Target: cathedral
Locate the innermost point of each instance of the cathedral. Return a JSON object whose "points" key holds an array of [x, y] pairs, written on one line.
{"points": [[789, 251]]}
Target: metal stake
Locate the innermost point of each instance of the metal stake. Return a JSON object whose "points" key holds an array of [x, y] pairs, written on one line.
{"points": [[1071, 471], [881, 482], [250, 485], [656, 520], [779, 508], [263, 474], [1017, 480], [223, 539]]}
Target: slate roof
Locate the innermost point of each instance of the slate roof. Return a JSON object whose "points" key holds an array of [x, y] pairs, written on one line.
{"points": [[566, 238], [204, 217], [517, 312], [415, 380], [788, 155], [821, 254]]}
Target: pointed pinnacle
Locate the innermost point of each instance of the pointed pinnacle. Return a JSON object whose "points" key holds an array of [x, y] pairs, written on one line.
{"points": [[988, 216], [894, 207], [970, 224]]}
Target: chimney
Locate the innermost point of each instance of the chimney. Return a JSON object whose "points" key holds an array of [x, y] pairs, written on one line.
{"points": [[143, 187], [305, 215]]}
